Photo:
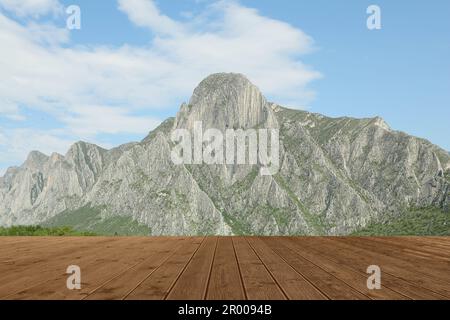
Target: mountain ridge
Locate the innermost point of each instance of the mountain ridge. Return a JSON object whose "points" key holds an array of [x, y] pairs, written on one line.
{"points": [[337, 175]]}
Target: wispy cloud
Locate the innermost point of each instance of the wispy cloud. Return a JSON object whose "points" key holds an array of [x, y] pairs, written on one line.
{"points": [[17, 143], [100, 90], [147, 14], [227, 36], [10, 110], [34, 8], [89, 121]]}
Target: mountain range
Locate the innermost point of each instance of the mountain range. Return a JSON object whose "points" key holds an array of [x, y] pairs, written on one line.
{"points": [[336, 176]]}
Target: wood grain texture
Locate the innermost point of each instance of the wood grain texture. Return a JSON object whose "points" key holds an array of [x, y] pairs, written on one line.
{"points": [[225, 268], [225, 279]]}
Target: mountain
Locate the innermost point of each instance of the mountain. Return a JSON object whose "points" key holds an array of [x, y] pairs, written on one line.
{"points": [[336, 176]]}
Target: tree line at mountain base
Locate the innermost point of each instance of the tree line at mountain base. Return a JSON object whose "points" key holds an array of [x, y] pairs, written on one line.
{"points": [[425, 222]]}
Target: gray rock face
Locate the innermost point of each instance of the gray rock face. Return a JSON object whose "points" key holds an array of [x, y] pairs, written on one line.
{"points": [[336, 175], [226, 101]]}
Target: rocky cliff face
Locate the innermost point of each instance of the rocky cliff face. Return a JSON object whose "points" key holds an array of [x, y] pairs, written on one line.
{"points": [[226, 101], [336, 175]]}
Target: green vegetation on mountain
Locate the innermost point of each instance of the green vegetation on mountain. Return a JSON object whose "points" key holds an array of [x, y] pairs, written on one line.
{"points": [[447, 175], [417, 222], [88, 219], [27, 231]]}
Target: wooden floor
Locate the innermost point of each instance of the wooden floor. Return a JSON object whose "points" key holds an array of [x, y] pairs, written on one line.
{"points": [[225, 268]]}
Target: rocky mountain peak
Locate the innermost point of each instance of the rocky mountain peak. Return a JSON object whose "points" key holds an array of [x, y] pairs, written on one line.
{"points": [[35, 160], [225, 100], [380, 122], [222, 86], [84, 148]]}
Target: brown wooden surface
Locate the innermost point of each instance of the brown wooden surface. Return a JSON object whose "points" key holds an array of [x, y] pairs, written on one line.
{"points": [[225, 268]]}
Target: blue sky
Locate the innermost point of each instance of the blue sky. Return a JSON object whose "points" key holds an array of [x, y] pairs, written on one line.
{"points": [[135, 61]]}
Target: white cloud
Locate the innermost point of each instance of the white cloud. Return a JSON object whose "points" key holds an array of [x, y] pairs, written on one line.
{"points": [[147, 14], [10, 110], [238, 39], [34, 8], [15, 144], [100, 90], [92, 120], [230, 37]]}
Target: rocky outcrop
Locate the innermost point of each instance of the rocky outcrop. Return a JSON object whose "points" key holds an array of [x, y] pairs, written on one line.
{"points": [[336, 174], [226, 101]]}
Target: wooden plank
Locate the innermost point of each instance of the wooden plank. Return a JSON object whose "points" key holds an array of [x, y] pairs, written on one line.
{"points": [[45, 250], [433, 240], [353, 278], [34, 273], [118, 287], [327, 283], [437, 266], [404, 268], [13, 245], [225, 268], [357, 259], [258, 283], [96, 268], [158, 285], [193, 282], [225, 281], [294, 285], [435, 253]]}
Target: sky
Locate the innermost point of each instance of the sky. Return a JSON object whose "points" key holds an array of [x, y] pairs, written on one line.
{"points": [[133, 63]]}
